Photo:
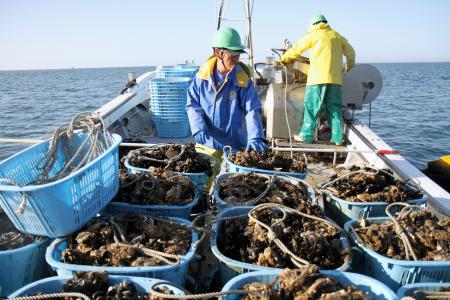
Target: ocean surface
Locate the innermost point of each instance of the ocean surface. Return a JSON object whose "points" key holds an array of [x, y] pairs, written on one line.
{"points": [[411, 113]]}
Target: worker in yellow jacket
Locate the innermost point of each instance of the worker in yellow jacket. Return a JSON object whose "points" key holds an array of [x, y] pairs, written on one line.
{"points": [[323, 87]]}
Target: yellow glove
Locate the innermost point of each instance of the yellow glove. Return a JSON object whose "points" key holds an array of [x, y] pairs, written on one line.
{"points": [[278, 63]]}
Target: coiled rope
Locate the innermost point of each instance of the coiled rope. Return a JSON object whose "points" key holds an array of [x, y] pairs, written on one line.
{"points": [[170, 259], [97, 141], [151, 159], [261, 196], [409, 251], [350, 174], [298, 261]]}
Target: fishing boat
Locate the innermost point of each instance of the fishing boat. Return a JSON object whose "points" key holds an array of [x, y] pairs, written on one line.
{"points": [[129, 115]]}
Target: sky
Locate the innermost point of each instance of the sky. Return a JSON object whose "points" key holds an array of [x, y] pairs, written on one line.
{"points": [[53, 34]]}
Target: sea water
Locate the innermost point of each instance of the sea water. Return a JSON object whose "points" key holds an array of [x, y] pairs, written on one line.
{"points": [[410, 114]]}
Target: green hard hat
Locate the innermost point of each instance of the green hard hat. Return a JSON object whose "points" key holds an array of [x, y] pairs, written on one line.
{"points": [[228, 38], [318, 18]]}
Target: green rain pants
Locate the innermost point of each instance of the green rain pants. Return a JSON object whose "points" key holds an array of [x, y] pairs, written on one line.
{"points": [[316, 96]]}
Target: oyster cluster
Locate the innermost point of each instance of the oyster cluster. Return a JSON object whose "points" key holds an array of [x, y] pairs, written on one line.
{"points": [[429, 236], [158, 187], [315, 241], [268, 160], [305, 283], [379, 187], [95, 285], [176, 158], [240, 188], [96, 244]]}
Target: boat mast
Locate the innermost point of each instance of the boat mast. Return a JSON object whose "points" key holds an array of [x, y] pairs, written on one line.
{"points": [[223, 4]]}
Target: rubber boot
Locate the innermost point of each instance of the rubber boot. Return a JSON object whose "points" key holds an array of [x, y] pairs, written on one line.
{"points": [[314, 96], [333, 105]]}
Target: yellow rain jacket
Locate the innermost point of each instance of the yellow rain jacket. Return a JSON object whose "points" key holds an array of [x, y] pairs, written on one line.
{"points": [[326, 48]]}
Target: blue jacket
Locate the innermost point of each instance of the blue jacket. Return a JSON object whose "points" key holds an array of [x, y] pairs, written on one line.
{"points": [[231, 114]]}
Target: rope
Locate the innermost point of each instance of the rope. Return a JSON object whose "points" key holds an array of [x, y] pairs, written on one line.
{"points": [[23, 203], [433, 294], [409, 251], [50, 296], [164, 257], [154, 293], [162, 161], [349, 174], [133, 181], [262, 195], [75, 156], [298, 261]]}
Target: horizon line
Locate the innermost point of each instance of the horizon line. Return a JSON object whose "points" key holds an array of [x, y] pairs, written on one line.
{"points": [[150, 66]]}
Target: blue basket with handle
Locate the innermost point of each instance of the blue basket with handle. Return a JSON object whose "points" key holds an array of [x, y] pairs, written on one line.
{"points": [[229, 268], [198, 179], [375, 289], [395, 273], [61, 207], [55, 285], [342, 211], [233, 168], [410, 289], [175, 274], [159, 210], [221, 204], [23, 265]]}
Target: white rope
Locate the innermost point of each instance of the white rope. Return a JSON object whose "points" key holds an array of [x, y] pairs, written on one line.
{"points": [[349, 174], [298, 261], [53, 295], [21, 208], [97, 141], [154, 293], [261, 196], [409, 251]]}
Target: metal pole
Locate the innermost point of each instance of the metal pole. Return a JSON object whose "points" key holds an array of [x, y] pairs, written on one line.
{"points": [[250, 39], [219, 18]]}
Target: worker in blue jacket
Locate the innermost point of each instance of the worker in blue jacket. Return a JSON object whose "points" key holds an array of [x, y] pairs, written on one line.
{"points": [[223, 106]]}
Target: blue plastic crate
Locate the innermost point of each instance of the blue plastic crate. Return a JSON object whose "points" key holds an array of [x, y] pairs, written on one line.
{"points": [[177, 72], [160, 210], [58, 208], [55, 285], [222, 177], [395, 273], [375, 289], [198, 179], [170, 114], [168, 102], [187, 66], [342, 211], [175, 83], [22, 265], [175, 274], [409, 289], [229, 268], [168, 128]]}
